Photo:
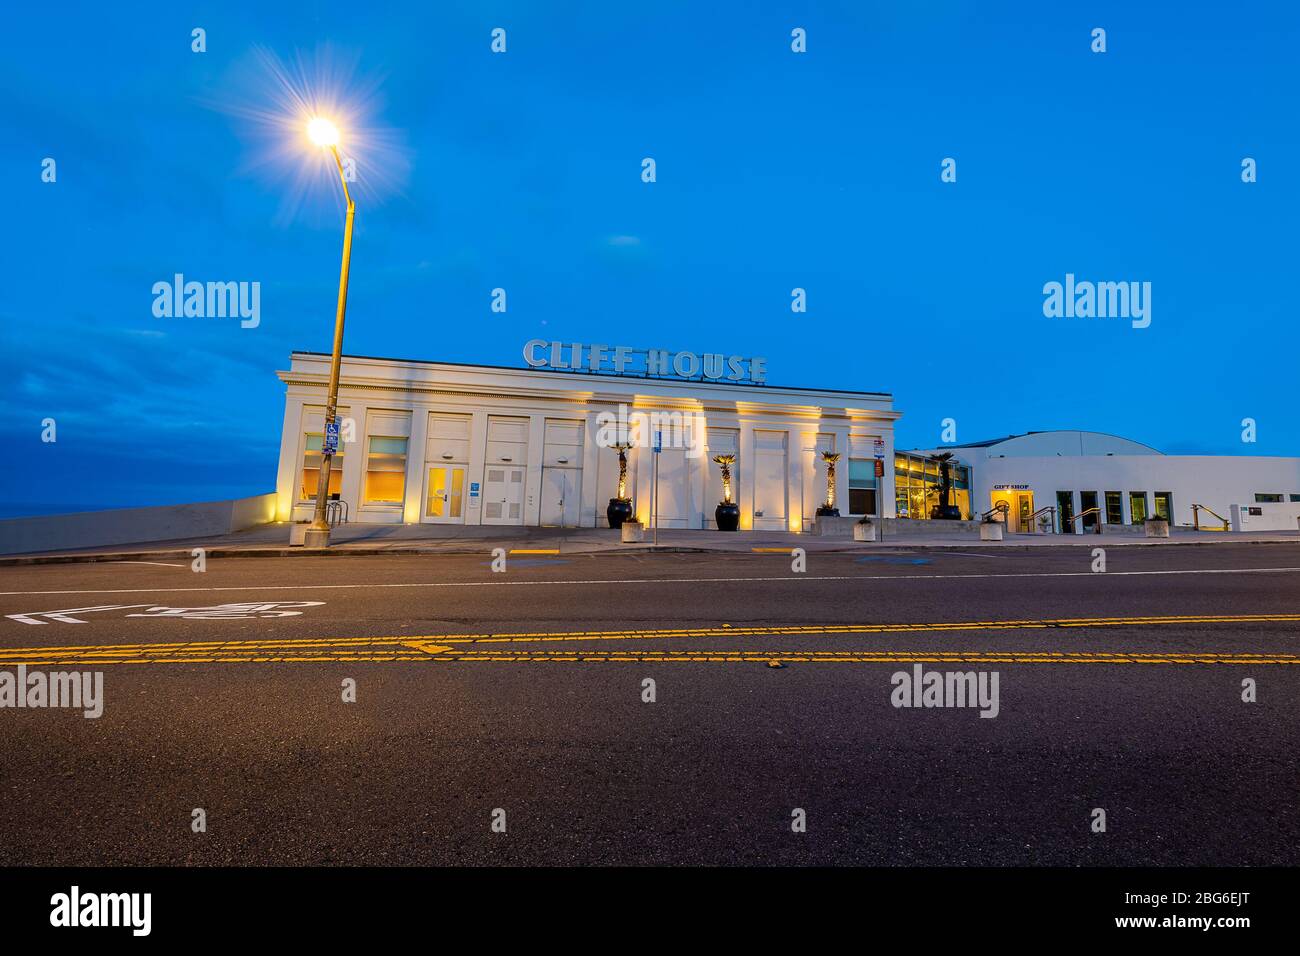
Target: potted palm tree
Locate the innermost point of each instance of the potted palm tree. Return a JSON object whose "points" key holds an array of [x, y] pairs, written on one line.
{"points": [[620, 507], [828, 509], [727, 514]]}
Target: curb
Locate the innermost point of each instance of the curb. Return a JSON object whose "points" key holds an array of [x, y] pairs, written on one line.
{"points": [[184, 554]]}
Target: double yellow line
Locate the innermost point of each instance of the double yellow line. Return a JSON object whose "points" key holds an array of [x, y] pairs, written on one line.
{"points": [[473, 647]]}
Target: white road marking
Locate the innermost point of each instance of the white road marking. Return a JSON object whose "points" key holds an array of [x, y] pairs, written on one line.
{"points": [[158, 564], [792, 578], [219, 612]]}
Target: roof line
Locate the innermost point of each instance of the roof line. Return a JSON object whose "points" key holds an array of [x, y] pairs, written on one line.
{"points": [[600, 375]]}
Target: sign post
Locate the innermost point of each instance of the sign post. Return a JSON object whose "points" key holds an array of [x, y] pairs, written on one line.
{"points": [[880, 490], [654, 487]]}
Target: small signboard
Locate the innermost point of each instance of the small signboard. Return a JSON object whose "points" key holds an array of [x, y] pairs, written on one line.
{"points": [[473, 489], [880, 468], [331, 444], [659, 442]]}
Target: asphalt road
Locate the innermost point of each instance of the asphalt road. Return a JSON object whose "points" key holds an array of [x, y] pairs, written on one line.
{"points": [[523, 690]]}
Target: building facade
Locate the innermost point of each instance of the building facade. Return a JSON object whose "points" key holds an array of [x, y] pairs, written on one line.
{"points": [[1080, 480], [444, 443]]}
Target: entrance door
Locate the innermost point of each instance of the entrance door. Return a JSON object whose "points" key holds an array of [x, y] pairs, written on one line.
{"points": [[561, 496], [444, 493], [1065, 510], [1088, 503], [1024, 509], [503, 495]]}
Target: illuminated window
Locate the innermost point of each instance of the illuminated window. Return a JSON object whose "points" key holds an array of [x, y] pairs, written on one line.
{"points": [[1137, 506], [1114, 507], [862, 486], [311, 459], [385, 471]]}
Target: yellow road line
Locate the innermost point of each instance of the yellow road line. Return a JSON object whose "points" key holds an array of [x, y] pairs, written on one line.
{"points": [[428, 647]]}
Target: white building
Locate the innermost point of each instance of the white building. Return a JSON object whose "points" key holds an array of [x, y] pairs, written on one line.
{"points": [[1088, 477], [473, 444]]}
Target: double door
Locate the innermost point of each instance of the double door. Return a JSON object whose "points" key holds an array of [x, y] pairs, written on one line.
{"points": [[444, 494]]}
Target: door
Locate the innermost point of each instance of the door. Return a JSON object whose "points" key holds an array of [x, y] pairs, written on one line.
{"points": [[561, 496], [1088, 503], [1065, 508], [503, 495], [1024, 511], [444, 494]]}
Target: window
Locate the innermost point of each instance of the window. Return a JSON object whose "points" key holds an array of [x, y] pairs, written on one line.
{"points": [[862, 487], [1263, 499], [385, 471], [1114, 507], [916, 486], [1137, 506], [311, 461], [1164, 506], [1295, 497]]}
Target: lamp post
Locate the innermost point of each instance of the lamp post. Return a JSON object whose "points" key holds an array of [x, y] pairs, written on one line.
{"points": [[325, 134]]}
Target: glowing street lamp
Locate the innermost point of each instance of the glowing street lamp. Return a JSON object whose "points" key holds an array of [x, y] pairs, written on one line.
{"points": [[325, 134]]}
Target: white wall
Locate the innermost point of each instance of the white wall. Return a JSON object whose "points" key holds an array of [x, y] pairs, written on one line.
{"points": [[1218, 482], [94, 529], [415, 388]]}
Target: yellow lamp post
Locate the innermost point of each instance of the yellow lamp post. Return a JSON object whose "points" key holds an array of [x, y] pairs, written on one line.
{"points": [[325, 134]]}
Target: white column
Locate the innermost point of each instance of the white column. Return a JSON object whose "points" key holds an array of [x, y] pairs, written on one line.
{"points": [[533, 476], [745, 476], [354, 459], [286, 479], [475, 470], [413, 507], [590, 514], [840, 437], [794, 460]]}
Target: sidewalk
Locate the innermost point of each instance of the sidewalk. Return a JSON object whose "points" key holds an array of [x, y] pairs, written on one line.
{"points": [[272, 540]]}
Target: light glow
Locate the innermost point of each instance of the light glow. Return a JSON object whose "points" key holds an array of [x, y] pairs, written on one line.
{"points": [[322, 132]]}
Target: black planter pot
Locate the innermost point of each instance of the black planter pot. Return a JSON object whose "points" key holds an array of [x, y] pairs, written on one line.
{"points": [[826, 512], [727, 516], [619, 510]]}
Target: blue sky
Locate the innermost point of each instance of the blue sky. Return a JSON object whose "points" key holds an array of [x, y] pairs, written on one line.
{"points": [[775, 170]]}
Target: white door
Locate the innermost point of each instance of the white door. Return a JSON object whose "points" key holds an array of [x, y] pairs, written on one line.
{"points": [[444, 494], [561, 497], [503, 495], [770, 473]]}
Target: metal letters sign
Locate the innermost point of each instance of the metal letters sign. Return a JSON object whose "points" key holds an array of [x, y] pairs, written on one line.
{"points": [[646, 363]]}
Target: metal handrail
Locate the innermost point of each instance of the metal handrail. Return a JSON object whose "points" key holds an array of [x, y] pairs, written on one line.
{"points": [[1001, 506], [1196, 518], [1032, 518], [1084, 514]]}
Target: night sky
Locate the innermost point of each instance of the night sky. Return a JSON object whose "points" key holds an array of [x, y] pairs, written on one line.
{"points": [[522, 171]]}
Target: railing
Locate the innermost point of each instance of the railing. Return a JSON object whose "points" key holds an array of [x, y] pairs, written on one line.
{"points": [[336, 512], [1032, 520], [1196, 518], [1000, 508], [1083, 514]]}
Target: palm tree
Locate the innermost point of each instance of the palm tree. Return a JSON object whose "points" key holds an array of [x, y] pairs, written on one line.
{"points": [[726, 461], [830, 458]]}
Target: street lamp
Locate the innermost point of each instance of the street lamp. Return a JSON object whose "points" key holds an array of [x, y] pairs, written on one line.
{"points": [[326, 135]]}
